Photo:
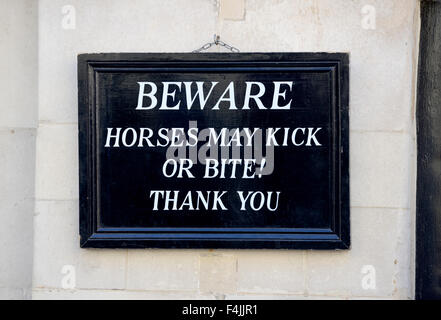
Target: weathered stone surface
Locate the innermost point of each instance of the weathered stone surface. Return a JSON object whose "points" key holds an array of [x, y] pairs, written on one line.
{"points": [[162, 270], [382, 152], [218, 273]]}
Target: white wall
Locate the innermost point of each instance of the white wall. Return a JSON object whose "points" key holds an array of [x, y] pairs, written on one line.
{"points": [[382, 157], [18, 121]]}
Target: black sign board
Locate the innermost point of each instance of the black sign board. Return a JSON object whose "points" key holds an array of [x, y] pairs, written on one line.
{"points": [[214, 150]]}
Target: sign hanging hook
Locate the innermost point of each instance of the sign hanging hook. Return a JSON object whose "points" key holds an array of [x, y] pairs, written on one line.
{"points": [[216, 41]]}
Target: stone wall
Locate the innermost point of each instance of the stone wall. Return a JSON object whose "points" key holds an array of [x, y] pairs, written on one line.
{"points": [[18, 123], [383, 62]]}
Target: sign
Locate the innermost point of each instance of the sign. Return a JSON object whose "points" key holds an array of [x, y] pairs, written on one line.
{"points": [[214, 150]]}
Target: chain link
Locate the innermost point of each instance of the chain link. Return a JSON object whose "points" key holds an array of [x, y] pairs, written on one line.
{"points": [[216, 42]]}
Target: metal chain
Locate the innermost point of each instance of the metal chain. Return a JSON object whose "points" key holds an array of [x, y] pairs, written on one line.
{"points": [[216, 42]]}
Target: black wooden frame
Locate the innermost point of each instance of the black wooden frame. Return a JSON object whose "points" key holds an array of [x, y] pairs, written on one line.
{"points": [[428, 121], [337, 237]]}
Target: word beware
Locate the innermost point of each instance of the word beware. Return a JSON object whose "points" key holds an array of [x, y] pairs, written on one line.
{"points": [[169, 89]]}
